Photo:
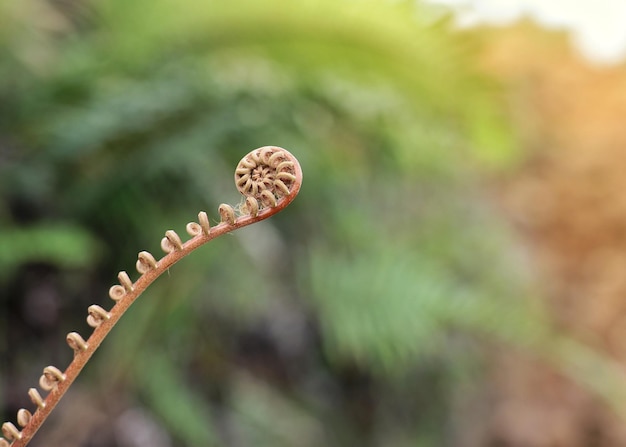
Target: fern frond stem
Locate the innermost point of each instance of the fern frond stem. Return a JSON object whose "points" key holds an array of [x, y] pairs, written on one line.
{"points": [[150, 269]]}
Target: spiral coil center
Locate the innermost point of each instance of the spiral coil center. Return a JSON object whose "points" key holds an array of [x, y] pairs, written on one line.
{"points": [[268, 168]]}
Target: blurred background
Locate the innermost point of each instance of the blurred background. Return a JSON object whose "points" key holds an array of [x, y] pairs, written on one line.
{"points": [[451, 274]]}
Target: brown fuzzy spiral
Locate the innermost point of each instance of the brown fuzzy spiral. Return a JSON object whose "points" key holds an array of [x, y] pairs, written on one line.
{"points": [[266, 174]]}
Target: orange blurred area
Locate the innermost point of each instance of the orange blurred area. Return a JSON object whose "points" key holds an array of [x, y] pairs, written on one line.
{"points": [[568, 202], [567, 198]]}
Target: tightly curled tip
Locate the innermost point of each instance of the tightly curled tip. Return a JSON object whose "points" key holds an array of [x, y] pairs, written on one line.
{"points": [[203, 218], [250, 206], [171, 242], [23, 417], [227, 213], [286, 176], [11, 432], [117, 292], [76, 342], [97, 315], [268, 199], [125, 281], [145, 262], [166, 245], [51, 378], [202, 226], [281, 188], [267, 170], [45, 385], [36, 398], [277, 157], [53, 373], [193, 229]]}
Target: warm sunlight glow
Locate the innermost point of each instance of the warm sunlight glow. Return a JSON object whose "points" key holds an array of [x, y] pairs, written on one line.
{"points": [[596, 26]]}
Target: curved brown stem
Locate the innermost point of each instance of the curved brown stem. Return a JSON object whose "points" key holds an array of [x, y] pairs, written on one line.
{"points": [[268, 177]]}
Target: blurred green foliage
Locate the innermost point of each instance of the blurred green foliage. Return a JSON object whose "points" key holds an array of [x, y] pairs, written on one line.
{"points": [[358, 311]]}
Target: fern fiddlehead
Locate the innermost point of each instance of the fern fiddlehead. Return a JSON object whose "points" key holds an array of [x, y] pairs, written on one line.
{"points": [[269, 178]]}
